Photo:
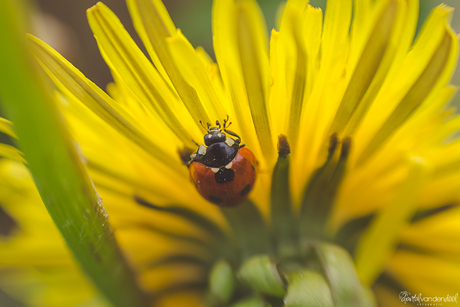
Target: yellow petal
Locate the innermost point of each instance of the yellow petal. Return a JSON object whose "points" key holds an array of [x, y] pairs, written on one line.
{"points": [[438, 233], [10, 152], [74, 84], [336, 28], [292, 60], [124, 57], [252, 44], [429, 275], [7, 127], [384, 229], [231, 20], [154, 25], [371, 67], [194, 73], [361, 14], [424, 72]]}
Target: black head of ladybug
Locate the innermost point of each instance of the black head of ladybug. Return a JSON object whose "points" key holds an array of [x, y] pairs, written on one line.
{"points": [[222, 145]]}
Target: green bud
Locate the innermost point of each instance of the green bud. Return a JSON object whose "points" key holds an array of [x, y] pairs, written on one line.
{"points": [[308, 288], [262, 275], [222, 281], [254, 301], [339, 269]]}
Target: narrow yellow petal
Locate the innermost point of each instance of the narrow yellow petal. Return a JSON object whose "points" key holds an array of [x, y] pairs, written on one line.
{"points": [[424, 72], [438, 233], [336, 28], [214, 75], [152, 30], [124, 57], [194, 73], [385, 228], [429, 275], [74, 84], [154, 25], [371, 68], [361, 12], [7, 127], [233, 24], [252, 43], [10, 152], [313, 27], [278, 91], [292, 65]]}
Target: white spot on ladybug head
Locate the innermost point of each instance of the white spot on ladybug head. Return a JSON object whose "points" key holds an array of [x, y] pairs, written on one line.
{"points": [[229, 166], [219, 135], [201, 150], [215, 170], [229, 141], [207, 136]]}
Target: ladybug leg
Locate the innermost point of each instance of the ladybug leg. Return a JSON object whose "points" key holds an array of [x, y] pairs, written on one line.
{"points": [[238, 139]]}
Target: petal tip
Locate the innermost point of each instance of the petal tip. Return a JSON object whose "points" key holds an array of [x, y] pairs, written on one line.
{"points": [[445, 10]]}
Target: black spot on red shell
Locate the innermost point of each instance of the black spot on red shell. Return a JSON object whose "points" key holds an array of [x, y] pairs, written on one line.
{"points": [[215, 199], [246, 190], [224, 175]]}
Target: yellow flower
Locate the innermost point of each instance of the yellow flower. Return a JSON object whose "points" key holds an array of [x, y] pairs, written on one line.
{"points": [[373, 168]]}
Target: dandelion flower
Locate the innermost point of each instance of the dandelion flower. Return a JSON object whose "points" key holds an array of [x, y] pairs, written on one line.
{"points": [[347, 115]]}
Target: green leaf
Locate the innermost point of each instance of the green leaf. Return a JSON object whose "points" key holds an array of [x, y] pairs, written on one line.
{"points": [[61, 179]]}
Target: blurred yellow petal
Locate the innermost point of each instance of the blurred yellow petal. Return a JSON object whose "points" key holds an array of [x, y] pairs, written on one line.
{"points": [[7, 127], [10, 152], [384, 229], [426, 274]]}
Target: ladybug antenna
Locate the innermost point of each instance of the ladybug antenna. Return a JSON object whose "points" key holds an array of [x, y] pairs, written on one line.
{"points": [[196, 142], [209, 125], [201, 123], [225, 122], [218, 124]]}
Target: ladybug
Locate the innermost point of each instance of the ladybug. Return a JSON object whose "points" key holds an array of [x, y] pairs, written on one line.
{"points": [[223, 171]]}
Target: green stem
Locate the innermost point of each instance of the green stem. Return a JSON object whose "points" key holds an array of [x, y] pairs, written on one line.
{"points": [[61, 179]]}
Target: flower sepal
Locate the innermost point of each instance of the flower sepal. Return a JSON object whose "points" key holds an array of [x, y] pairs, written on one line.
{"points": [[324, 276]]}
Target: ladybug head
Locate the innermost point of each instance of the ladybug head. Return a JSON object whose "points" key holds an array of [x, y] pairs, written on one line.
{"points": [[214, 134]]}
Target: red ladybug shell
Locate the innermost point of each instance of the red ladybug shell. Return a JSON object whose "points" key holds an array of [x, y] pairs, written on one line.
{"points": [[231, 192]]}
